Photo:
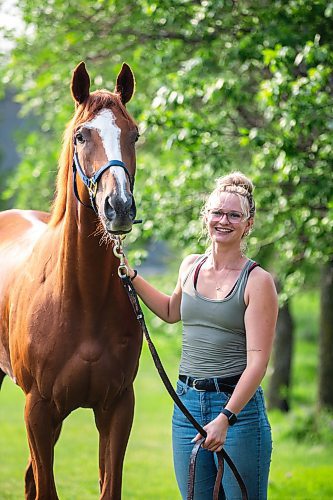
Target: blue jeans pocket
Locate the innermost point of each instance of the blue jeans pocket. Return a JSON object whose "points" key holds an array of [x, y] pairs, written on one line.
{"points": [[181, 388]]}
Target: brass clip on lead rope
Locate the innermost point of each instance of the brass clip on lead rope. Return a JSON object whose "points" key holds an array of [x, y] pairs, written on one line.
{"points": [[119, 253]]}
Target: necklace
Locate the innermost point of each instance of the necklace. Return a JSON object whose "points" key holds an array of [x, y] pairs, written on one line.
{"points": [[220, 288], [220, 277]]}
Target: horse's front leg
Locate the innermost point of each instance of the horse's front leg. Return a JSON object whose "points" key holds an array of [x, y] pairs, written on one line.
{"points": [[114, 426], [30, 485], [42, 433]]}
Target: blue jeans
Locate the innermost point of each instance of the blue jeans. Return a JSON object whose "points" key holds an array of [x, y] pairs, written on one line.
{"points": [[248, 443]]}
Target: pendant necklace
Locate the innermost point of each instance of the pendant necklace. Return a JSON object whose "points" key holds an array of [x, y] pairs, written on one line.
{"points": [[222, 289], [219, 287]]}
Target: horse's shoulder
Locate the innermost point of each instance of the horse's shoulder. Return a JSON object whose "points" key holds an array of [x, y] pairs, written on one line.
{"points": [[14, 223], [40, 215], [27, 216], [19, 232]]}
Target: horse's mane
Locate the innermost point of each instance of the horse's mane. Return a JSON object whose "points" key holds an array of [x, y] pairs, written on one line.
{"points": [[86, 111]]}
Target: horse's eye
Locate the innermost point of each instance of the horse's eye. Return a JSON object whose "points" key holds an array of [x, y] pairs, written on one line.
{"points": [[79, 137], [137, 137]]}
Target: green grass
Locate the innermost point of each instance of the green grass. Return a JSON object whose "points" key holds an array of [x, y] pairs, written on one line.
{"points": [[302, 464]]}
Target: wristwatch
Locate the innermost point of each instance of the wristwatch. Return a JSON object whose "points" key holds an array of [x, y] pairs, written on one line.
{"points": [[232, 418]]}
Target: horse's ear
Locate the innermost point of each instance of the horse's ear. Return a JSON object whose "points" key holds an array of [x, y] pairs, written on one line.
{"points": [[80, 83], [125, 84]]}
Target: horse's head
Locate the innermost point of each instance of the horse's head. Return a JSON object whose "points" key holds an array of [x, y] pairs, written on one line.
{"points": [[104, 149]]}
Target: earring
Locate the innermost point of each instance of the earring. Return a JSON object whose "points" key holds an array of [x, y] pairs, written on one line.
{"points": [[243, 247], [247, 232]]}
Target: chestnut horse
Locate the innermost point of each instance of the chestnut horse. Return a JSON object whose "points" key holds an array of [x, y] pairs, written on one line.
{"points": [[68, 334]]}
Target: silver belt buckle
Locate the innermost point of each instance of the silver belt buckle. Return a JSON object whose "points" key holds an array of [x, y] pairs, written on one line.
{"points": [[194, 384]]}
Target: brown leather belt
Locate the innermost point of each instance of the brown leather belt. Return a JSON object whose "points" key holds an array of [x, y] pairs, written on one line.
{"points": [[211, 384]]}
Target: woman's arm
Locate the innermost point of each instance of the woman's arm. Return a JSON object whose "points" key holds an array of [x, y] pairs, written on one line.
{"points": [[260, 322], [166, 307]]}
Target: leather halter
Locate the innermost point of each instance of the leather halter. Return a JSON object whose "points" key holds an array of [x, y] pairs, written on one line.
{"points": [[92, 182]]}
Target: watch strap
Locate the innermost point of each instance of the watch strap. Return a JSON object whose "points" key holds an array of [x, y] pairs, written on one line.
{"points": [[232, 418]]}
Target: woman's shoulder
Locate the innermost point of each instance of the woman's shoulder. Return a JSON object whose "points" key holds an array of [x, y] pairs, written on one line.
{"points": [[188, 262], [189, 259], [261, 291], [259, 277]]}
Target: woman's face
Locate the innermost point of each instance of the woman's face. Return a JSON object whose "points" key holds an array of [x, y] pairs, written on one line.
{"points": [[225, 218]]}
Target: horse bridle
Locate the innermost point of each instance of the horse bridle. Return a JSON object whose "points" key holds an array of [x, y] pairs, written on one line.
{"points": [[92, 182]]}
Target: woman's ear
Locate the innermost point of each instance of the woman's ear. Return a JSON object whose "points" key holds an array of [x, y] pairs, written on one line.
{"points": [[249, 226]]}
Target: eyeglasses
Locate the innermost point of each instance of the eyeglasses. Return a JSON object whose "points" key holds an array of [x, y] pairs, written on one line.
{"points": [[232, 216]]}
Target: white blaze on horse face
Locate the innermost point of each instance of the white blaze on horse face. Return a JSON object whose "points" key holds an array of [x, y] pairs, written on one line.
{"points": [[105, 124]]}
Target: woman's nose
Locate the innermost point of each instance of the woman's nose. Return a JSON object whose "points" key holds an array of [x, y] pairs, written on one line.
{"points": [[224, 215]]}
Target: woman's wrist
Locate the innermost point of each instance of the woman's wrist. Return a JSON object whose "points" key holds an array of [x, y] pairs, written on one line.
{"points": [[231, 417], [134, 275]]}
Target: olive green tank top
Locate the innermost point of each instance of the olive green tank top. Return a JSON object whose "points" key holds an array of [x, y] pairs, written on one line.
{"points": [[214, 340]]}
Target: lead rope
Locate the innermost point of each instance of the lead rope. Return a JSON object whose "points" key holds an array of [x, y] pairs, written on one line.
{"points": [[221, 455]]}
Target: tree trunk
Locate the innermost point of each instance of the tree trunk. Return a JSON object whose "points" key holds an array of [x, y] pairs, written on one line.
{"points": [[279, 383], [326, 338]]}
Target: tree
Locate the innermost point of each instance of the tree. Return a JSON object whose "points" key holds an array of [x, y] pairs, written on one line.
{"points": [[278, 395], [326, 338], [221, 85], [297, 141]]}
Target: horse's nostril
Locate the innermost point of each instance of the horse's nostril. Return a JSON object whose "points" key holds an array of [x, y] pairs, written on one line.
{"points": [[116, 208], [132, 212], [109, 211]]}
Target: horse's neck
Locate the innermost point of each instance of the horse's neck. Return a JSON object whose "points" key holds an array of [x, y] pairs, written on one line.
{"points": [[88, 267]]}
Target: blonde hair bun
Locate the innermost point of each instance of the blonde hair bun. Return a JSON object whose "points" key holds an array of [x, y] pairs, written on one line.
{"points": [[239, 184], [236, 180]]}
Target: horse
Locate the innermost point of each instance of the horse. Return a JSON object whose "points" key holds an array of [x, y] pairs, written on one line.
{"points": [[68, 334]]}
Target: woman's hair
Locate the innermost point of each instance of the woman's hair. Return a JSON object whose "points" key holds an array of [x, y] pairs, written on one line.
{"points": [[236, 183]]}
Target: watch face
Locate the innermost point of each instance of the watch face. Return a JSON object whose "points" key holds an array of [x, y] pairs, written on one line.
{"points": [[232, 419]]}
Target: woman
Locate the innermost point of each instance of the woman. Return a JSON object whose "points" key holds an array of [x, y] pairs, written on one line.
{"points": [[228, 306]]}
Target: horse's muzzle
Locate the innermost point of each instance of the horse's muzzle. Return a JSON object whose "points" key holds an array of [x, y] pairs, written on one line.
{"points": [[119, 213]]}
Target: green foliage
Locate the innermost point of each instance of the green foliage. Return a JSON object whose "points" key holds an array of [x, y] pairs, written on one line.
{"points": [[220, 86], [309, 425], [307, 323], [297, 141]]}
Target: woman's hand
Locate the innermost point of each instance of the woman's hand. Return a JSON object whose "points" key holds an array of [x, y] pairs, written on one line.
{"points": [[216, 433], [131, 272]]}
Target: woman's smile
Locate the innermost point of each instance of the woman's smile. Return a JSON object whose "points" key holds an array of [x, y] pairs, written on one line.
{"points": [[223, 229]]}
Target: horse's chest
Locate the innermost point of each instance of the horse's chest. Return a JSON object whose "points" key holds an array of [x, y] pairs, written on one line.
{"points": [[89, 377], [90, 351], [76, 357]]}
